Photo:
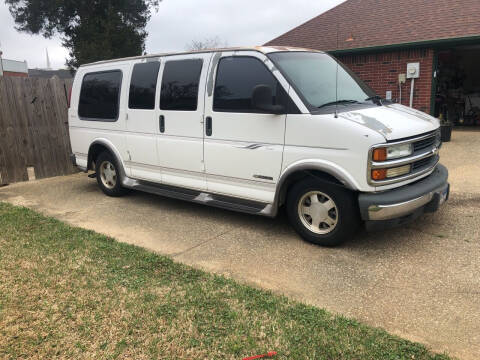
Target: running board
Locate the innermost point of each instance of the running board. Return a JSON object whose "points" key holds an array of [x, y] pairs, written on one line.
{"points": [[220, 201]]}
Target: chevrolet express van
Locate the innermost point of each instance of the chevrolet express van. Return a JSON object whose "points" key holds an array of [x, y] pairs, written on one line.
{"points": [[254, 129]]}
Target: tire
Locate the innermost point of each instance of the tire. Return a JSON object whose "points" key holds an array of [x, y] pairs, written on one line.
{"points": [[108, 179], [335, 212]]}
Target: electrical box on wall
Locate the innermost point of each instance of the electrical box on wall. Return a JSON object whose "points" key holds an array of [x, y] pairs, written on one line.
{"points": [[413, 70]]}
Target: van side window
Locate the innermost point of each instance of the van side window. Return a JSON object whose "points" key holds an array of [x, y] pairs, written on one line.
{"points": [[100, 96], [236, 78], [143, 85], [180, 85]]}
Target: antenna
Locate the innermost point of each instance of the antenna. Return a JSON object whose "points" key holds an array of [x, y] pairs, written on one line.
{"points": [[48, 59], [336, 78]]}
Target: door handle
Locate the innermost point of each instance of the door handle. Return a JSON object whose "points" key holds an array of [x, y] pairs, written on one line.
{"points": [[162, 123], [208, 126]]}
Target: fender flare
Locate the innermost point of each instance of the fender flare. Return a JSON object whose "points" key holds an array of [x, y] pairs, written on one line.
{"points": [[109, 145], [327, 167]]}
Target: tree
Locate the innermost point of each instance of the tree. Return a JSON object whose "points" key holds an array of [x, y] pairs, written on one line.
{"points": [[90, 30], [207, 43]]}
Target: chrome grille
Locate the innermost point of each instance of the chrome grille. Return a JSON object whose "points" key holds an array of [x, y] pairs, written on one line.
{"points": [[417, 165], [423, 144]]}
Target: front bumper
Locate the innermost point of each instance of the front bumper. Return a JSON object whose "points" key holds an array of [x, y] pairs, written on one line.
{"points": [[399, 206]]}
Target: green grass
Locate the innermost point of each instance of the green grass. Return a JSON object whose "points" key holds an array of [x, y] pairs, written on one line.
{"points": [[71, 293]]}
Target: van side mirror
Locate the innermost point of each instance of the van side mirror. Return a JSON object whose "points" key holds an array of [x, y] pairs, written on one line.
{"points": [[262, 99]]}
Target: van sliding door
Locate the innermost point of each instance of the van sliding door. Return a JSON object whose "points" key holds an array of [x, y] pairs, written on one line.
{"points": [[141, 124], [180, 120]]}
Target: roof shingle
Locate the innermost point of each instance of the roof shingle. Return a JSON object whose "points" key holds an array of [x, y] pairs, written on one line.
{"points": [[370, 23]]}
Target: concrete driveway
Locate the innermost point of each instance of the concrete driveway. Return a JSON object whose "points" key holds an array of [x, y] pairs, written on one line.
{"points": [[421, 282]]}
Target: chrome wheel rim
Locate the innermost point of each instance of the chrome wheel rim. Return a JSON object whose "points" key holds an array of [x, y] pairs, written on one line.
{"points": [[318, 212], [108, 174]]}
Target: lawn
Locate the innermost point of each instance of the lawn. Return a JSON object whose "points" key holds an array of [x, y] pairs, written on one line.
{"points": [[72, 293]]}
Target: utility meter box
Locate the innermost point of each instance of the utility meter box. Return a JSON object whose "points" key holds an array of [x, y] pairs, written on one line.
{"points": [[413, 70]]}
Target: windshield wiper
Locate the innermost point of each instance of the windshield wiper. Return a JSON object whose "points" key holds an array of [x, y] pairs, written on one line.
{"points": [[339, 102], [377, 99]]}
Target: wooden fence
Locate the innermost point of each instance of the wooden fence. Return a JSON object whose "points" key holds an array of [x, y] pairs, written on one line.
{"points": [[34, 138]]}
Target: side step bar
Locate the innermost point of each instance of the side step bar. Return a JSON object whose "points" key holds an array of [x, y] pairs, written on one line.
{"points": [[220, 201]]}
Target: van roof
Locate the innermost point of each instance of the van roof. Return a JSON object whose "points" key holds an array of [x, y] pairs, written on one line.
{"points": [[262, 49]]}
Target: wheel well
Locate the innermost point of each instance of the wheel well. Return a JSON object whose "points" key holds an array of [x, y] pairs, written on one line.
{"points": [[295, 177], [93, 152]]}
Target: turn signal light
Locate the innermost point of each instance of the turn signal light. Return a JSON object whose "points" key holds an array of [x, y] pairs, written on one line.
{"points": [[380, 154], [379, 174]]}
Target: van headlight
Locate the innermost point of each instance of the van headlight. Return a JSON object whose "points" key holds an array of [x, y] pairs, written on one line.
{"points": [[392, 152]]}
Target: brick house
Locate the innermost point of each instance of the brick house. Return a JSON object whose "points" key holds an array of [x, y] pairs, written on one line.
{"points": [[378, 38], [13, 68]]}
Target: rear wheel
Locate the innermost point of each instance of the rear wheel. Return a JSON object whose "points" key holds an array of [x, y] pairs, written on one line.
{"points": [[322, 213], [108, 175]]}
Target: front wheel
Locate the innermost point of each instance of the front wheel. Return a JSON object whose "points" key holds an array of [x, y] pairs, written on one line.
{"points": [[322, 213]]}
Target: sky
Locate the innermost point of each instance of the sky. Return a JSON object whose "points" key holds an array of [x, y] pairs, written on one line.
{"points": [[177, 23]]}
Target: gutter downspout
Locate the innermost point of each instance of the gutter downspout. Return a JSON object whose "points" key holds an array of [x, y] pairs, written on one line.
{"points": [[412, 86], [434, 82]]}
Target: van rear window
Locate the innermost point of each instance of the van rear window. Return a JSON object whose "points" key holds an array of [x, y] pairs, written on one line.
{"points": [[180, 85], [100, 96]]}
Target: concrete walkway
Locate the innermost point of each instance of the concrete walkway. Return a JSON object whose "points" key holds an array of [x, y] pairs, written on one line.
{"points": [[421, 282]]}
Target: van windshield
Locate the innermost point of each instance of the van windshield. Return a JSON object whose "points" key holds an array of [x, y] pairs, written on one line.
{"points": [[314, 76]]}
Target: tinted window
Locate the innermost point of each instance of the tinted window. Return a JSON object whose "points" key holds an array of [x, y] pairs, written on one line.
{"points": [[99, 96], [180, 85], [143, 85], [236, 78]]}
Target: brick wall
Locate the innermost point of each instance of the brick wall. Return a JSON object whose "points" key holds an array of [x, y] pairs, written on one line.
{"points": [[380, 71]]}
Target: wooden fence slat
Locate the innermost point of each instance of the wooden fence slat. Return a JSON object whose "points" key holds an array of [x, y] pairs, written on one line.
{"points": [[49, 133], [34, 131], [61, 110], [15, 161], [4, 155], [21, 125]]}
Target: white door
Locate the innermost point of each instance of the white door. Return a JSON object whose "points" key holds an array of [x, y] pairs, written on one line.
{"points": [[180, 131], [142, 121], [243, 145]]}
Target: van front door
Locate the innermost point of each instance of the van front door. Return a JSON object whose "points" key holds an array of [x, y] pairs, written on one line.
{"points": [[243, 145], [180, 120]]}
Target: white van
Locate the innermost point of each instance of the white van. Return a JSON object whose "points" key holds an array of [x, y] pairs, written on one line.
{"points": [[252, 129]]}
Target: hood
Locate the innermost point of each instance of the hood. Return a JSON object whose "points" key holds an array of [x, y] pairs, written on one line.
{"points": [[393, 121]]}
